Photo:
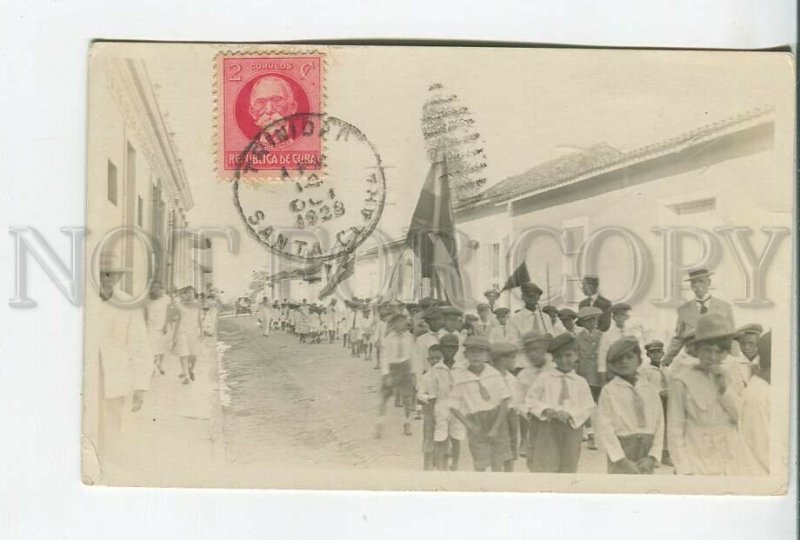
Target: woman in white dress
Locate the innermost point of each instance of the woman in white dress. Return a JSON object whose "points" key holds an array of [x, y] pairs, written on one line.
{"points": [[188, 332]]}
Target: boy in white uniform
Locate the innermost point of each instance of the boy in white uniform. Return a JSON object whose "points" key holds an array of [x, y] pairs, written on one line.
{"points": [[480, 401], [562, 401], [534, 347], [629, 422]]}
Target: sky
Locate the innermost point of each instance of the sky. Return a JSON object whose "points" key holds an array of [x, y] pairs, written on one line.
{"points": [[529, 105]]}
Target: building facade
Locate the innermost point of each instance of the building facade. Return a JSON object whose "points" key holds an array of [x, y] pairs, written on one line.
{"points": [[146, 195], [610, 213]]}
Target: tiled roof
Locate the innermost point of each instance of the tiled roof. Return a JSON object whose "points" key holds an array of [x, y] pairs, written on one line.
{"points": [[602, 158]]}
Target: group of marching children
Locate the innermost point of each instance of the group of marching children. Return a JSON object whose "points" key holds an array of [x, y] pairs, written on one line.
{"points": [[310, 322], [584, 376], [538, 383]]}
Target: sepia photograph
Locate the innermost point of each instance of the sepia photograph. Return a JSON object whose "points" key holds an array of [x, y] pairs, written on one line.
{"points": [[438, 268]]}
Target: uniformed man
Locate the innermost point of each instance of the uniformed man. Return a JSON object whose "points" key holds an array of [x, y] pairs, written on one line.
{"points": [[591, 288], [688, 313]]}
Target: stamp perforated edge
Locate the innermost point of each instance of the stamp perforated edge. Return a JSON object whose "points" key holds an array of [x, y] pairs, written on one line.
{"points": [[255, 178]]}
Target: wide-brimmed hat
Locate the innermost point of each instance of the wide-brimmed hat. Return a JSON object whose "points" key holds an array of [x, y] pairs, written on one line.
{"points": [[110, 263], [502, 311], [588, 312], [712, 326], [698, 273]]}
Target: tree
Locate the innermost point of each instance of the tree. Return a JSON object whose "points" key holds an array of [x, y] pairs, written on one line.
{"points": [[449, 131]]}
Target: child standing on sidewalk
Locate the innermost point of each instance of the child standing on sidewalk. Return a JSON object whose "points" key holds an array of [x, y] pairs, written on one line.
{"points": [[630, 418], [562, 401]]}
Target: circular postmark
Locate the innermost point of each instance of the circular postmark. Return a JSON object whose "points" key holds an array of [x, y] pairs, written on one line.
{"points": [[313, 210]]}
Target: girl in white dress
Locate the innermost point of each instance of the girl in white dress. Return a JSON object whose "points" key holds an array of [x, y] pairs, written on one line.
{"points": [[188, 332]]}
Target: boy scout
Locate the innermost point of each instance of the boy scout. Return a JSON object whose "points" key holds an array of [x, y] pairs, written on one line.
{"points": [[629, 422], [562, 402], [480, 400]]}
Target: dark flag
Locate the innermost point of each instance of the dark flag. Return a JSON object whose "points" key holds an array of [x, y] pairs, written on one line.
{"points": [[432, 236], [519, 277], [343, 272]]}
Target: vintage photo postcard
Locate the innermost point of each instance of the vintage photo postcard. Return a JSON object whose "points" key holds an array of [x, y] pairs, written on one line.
{"points": [[439, 268]]}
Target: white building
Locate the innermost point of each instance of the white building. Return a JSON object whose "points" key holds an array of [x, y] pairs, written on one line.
{"points": [[144, 187], [706, 178]]}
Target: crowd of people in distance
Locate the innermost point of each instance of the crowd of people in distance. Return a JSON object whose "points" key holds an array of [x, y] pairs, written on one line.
{"points": [[537, 384]]}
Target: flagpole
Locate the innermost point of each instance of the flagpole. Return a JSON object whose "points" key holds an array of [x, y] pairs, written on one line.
{"points": [[547, 274]]}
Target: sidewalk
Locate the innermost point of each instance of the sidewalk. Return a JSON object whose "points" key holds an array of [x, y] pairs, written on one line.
{"points": [[178, 429]]}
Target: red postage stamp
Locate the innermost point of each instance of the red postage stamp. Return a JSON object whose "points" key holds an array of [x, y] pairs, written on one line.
{"points": [[263, 100]]}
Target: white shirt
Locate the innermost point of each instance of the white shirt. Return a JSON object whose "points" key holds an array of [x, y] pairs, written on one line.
{"points": [[616, 416], [526, 320], [467, 396], [655, 376], [529, 374], [517, 396], [546, 392]]}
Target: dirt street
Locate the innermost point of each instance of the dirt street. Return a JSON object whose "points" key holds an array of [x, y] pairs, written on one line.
{"points": [[314, 406]]}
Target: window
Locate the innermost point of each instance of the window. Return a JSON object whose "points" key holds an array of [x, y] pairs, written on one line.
{"points": [[696, 206], [111, 189], [573, 239], [139, 210]]}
